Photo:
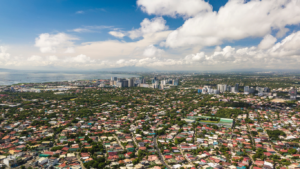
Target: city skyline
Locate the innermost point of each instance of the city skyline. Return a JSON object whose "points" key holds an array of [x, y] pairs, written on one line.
{"points": [[164, 35]]}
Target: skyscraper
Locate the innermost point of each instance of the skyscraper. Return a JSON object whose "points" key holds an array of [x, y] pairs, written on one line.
{"points": [[229, 88], [175, 82], [251, 90], [246, 89], [130, 82], [293, 94], [233, 89], [236, 87], [266, 89], [222, 87]]}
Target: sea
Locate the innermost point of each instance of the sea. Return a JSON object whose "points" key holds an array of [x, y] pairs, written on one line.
{"points": [[9, 77]]}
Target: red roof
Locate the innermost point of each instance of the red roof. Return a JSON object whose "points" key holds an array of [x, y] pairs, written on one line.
{"points": [[168, 156]]}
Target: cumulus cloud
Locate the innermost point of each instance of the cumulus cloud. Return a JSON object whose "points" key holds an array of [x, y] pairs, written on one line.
{"points": [[284, 54], [236, 20], [66, 62], [115, 49], [70, 50], [34, 58], [173, 8], [267, 42], [149, 27], [151, 50], [4, 55], [79, 59], [48, 43], [289, 46], [157, 24], [117, 34]]}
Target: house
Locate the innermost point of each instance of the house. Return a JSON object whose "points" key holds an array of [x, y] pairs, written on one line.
{"points": [[52, 161], [259, 163], [152, 158], [42, 161], [10, 161]]}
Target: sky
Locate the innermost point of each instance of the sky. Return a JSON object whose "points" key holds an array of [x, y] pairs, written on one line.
{"points": [[159, 34]]}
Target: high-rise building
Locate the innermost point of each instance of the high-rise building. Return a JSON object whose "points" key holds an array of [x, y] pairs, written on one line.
{"points": [[112, 83], [293, 94], [266, 89], [175, 82], [246, 89], [130, 82], [222, 87], [260, 90], [125, 83], [233, 89], [251, 90], [118, 84], [204, 90], [216, 91], [114, 78], [156, 85], [122, 83], [163, 82], [229, 88], [236, 87]]}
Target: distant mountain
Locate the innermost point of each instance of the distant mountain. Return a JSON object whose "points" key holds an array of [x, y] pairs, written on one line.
{"points": [[129, 69], [255, 70]]}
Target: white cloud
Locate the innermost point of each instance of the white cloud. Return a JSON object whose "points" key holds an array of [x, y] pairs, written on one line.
{"points": [[49, 43], [80, 59], [115, 49], [70, 50], [34, 58], [85, 29], [151, 50], [145, 53], [173, 8], [5, 57], [80, 30], [284, 54], [80, 12], [117, 34], [236, 20], [267, 42], [3, 53], [289, 46], [154, 25]]}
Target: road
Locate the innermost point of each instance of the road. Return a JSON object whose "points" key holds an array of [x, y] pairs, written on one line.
{"points": [[119, 142], [187, 159], [136, 144], [78, 158], [159, 153]]}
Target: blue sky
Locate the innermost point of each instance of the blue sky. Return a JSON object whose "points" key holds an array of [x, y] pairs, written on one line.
{"points": [[165, 34], [26, 19]]}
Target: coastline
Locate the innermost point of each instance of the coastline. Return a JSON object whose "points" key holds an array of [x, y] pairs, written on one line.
{"points": [[31, 77]]}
